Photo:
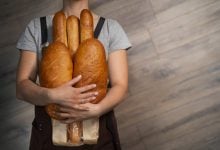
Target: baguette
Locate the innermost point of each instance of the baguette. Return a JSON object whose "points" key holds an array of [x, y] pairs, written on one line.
{"points": [[59, 28], [74, 130], [90, 62], [56, 66], [73, 34], [86, 25]]}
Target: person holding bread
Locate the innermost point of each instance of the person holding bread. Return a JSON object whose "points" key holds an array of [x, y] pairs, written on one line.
{"points": [[75, 103]]}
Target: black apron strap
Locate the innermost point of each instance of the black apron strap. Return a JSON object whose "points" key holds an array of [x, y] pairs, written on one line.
{"points": [[99, 27], [41, 116], [109, 118], [44, 36]]}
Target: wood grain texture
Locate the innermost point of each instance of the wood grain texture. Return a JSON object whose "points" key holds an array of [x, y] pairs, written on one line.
{"points": [[174, 72]]}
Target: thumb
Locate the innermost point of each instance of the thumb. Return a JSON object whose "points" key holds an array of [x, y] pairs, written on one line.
{"points": [[74, 80]]}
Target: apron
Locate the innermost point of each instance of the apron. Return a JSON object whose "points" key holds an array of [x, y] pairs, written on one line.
{"points": [[41, 134]]}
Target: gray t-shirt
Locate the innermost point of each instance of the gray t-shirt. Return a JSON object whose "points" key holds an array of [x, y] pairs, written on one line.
{"points": [[112, 36]]}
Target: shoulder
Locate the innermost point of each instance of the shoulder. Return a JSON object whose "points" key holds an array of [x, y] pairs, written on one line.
{"points": [[113, 24], [35, 22]]}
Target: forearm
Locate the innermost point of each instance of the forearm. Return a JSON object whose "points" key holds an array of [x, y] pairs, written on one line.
{"points": [[114, 96], [30, 92]]}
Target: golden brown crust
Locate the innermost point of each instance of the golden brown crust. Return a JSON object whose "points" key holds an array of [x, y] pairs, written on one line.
{"points": [[86, 25], [56, 68], [94, 69], [74, 132], [73, 34], [59, 28]]}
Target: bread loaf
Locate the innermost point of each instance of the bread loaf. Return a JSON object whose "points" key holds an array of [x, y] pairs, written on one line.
{"points": [[94, 69], [86, 25], [73, 34], [90, 59], [74, 130], [56, 68], [59, 28]]}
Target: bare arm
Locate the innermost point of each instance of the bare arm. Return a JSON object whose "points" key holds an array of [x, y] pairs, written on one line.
{"points": [[29, 91], [26, 88], [118, 72]]}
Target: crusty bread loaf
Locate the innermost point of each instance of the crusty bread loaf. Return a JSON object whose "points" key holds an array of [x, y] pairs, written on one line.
{"points": [[90, 59], [56, 68], [74, 130], [56, 65], [94, 69]]}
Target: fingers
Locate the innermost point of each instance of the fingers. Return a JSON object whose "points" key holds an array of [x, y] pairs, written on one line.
{"points": [[67, 112], [63, 115], [75, 80], [86, 100], [68, 121], [88, 95], [87, 88], [69, 107]]}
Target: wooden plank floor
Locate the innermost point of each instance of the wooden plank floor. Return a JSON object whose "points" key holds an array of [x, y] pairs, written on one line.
{"points": [[174, 72]]}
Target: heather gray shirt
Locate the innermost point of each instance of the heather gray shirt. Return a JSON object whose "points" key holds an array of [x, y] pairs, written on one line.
{"points": [[112, 36]]}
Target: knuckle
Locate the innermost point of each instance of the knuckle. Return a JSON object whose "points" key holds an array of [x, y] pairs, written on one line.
{"points": [[75, 106], [75, 91], [91, 87], [87, 88], [84, 88], [80, 96]]}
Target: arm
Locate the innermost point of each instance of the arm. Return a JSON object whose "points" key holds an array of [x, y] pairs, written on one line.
{"points": [[29, 91], [118, 73], [26, 89]]}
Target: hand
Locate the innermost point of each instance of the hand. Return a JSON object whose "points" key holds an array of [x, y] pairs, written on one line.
{"points": [[70, 97], [71, 115]]}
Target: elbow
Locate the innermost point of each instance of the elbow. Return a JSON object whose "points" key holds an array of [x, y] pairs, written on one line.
{"points": [[126, 92], [19, 94], [123, 87]]}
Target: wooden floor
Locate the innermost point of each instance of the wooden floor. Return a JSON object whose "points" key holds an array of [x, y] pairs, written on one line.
{"points": [[174, 72]]}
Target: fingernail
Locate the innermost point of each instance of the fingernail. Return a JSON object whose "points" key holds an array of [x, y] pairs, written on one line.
{"points": [[93, 97], [79, 76], [96, 93], [94, 85]]}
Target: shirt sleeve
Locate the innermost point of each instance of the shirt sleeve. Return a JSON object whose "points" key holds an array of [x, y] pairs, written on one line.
{"points": [[27, 40], [117, 37]]}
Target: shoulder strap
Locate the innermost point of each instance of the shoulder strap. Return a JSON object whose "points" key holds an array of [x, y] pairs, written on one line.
{"points": [[99, 27], [44, 36]]}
